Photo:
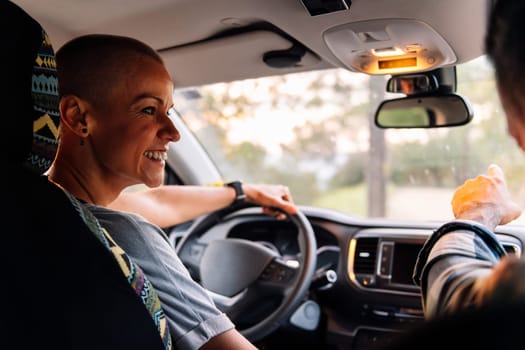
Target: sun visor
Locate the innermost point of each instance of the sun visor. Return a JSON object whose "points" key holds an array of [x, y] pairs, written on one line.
{"points": [[263, 53], [390, 46]]}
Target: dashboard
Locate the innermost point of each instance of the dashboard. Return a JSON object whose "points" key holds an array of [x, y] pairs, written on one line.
{"points": [[363, 279]]}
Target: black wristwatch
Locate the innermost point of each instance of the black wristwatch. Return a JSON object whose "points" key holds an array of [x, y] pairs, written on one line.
{"points": [[240, 196]]}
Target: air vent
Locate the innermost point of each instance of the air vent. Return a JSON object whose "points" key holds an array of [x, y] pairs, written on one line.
{"points": [[365, 255], [321, 7], [512, 249]]}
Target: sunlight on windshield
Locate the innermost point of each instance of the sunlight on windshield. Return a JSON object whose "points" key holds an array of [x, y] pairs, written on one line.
{"points": [[314, 132]]}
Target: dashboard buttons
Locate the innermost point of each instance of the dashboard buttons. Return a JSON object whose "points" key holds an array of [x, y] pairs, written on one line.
{"points": [[385, 262]]}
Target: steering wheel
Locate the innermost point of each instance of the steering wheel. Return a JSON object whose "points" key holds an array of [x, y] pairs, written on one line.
{"points": [[248, 281]]}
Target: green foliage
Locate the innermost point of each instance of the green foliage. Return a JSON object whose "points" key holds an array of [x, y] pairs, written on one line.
{"points": [[313, 141], [351, 173], [449, 156], [325, 161], [404, 117], [242, 159], [303, 185], [350, 199]]}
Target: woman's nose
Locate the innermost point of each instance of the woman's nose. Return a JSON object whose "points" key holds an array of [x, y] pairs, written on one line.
{"points": [[169, 130]]}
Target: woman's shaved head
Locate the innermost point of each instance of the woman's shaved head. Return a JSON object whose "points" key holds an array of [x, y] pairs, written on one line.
{"points": [[90, 66]]}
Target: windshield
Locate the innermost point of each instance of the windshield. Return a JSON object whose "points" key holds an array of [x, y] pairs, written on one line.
{"points": [[314, 132]]}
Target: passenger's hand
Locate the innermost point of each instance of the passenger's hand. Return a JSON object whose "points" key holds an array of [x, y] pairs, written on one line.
{"points": [[270, 197], [485, 199]]}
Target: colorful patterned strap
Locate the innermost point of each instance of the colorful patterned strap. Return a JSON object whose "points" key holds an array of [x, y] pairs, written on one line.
{"points": [[135, 276], [46, 116]]}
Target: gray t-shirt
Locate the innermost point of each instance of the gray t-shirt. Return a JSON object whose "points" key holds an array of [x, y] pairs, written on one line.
{"points": [[192, 316]]}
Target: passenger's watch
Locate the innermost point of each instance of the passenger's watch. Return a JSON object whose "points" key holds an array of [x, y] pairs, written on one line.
{"points": [[240, 196]]}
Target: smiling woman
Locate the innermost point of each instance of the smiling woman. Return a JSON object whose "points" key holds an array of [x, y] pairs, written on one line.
{"points": [[94, 162], [275, 94]]}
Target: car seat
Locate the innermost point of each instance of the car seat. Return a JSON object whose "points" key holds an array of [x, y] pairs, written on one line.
{"points": [[61, 288]]}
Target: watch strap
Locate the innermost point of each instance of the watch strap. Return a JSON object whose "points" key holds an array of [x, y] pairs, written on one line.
{"points": [[240, 196]]}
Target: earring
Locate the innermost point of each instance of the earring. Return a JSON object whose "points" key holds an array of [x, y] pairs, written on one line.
{"points": [[84, 131]]}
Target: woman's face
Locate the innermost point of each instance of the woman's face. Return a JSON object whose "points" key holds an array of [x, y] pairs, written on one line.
{"points": [[130, 136]]}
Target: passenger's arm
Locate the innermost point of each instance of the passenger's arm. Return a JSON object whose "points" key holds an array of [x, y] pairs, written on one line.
{"points": [[171, 204], [461, 270]]}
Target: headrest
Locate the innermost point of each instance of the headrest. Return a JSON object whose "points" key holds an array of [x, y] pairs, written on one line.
{"points": [[46, 116], [30, 109]]}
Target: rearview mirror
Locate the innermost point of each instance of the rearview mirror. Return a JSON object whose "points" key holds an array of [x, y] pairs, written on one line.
{"points": [[424, 112], [412, 84]]}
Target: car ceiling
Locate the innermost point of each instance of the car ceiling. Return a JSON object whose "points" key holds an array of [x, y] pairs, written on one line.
{"points": [[206, 41]]}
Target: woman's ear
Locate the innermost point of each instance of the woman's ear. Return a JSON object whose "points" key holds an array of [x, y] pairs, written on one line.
{"points": [[73, 114]]}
